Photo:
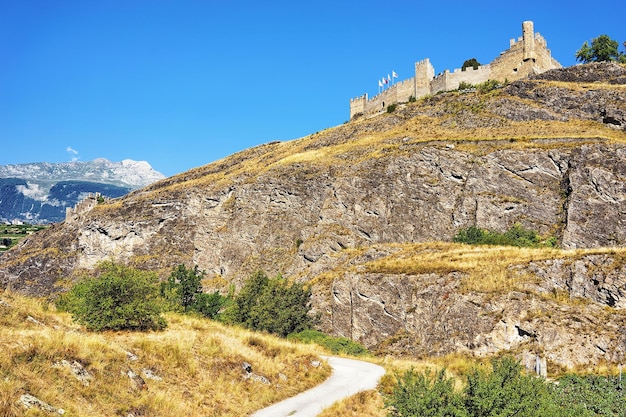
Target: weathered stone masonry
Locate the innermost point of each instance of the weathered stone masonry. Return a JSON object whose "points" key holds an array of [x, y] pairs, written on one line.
{"points": [[527, 55]]}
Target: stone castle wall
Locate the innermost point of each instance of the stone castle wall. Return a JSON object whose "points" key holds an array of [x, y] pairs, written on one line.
{"points": [[83, 206], [527, 55]]}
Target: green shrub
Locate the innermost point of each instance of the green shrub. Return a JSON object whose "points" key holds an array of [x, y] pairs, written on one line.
{"points": [[336, 345], [465, 86], [427, 394], [517, 235], [272, 305], [209, 305], [591, 395], [412, 99], [488, 86], [119, 298], [505, 391], [391, 108], [183, 292]]}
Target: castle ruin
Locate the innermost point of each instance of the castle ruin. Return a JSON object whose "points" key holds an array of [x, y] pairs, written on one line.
{"points": [[527, 55]]}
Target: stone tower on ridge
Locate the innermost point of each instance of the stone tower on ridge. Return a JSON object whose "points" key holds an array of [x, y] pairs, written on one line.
{"points": [[527, 55]]}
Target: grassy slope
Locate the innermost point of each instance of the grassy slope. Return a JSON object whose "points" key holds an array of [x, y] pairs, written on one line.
{"points": [[199, 361]]}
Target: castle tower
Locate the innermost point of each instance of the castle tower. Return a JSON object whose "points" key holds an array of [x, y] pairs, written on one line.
{"points": [[528, 39], [424, 73], [358, 105]]}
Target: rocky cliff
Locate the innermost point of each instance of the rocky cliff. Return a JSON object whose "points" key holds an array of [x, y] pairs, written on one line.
{"points": [[546, 152]]}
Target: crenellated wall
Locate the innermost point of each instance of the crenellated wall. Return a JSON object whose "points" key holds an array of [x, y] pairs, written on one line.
{"points": [[84, 206], [527, 55]]}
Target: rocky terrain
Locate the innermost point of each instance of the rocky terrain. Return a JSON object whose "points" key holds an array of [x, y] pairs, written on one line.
{"points": [[547, 153]]}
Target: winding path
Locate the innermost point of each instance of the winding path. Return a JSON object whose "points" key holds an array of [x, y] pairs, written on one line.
{"points": [[349, 377]]}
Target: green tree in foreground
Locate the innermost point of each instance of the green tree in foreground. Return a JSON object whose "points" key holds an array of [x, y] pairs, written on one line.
{"points": [[271, 304], [119, 298], [602, 49]]}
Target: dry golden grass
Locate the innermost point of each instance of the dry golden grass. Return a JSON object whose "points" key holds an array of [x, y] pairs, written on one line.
{"points": [[363, 404], [367, 138], [485, 268], [199, 361]]}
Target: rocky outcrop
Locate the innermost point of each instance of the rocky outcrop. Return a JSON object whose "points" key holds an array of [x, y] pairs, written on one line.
{"points": [[431, 314], [417, 175]]}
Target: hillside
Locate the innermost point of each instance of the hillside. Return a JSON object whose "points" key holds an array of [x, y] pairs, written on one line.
{"points": [[195, 367], [356, 208]]}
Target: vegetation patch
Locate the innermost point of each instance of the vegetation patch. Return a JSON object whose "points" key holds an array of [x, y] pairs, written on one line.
{"points": [[503, 390], [336, 345], [11, 234], [191, 368], [517, 235]]}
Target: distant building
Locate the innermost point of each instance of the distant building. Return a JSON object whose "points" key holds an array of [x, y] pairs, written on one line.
{"points": [[527, 55]]}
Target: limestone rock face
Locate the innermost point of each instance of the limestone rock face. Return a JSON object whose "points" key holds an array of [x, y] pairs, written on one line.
{"points": [[429, 314]]}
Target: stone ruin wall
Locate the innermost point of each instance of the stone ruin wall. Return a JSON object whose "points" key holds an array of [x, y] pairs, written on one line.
{"points": [[83, 206], [527, 55]]}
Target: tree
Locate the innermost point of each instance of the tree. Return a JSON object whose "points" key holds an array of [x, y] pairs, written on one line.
{"points": [[273, 305], [184, 285], [602, 49], [472, 62], [119, 298]]}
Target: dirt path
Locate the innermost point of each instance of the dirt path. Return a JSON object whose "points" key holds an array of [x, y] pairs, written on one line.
{"points": [[349, 377]]}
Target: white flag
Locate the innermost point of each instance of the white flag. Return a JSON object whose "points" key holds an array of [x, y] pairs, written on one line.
{"points": [[393, 74], [380, 84]]}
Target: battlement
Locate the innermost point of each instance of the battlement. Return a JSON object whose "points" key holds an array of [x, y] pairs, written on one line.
{"points": [[85, 205], [527, 55]]}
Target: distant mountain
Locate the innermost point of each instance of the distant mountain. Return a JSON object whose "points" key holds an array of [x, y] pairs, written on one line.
{"points": [[40, 192]]}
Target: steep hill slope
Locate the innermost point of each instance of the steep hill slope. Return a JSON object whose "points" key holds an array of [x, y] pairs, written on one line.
{"points": [[547, 152], [196, 367]]}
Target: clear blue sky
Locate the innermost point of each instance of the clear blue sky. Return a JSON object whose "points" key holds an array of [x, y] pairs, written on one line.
{"points": [[183, 83]]}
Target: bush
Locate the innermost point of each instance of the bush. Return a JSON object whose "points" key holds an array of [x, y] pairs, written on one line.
{"points": [[590, 395], [336, 345], [424, 394], [272, 305], [506, 392], [391, 108], [517, 235], [209, 305], [503, 391], [488, 86], [119, 298], [465, 86], [183, 292]]}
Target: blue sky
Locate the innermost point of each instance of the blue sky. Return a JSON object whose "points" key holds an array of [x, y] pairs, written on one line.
{"points": [[183, 83]]}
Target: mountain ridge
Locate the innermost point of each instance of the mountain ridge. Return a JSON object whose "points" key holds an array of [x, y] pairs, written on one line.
{"points": [[40, 192]]}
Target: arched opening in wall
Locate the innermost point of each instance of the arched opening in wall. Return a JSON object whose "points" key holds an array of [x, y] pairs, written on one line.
{"points": [[383, 104]]}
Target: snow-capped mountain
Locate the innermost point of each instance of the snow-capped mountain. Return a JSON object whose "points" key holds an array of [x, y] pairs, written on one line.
{"points": [[40, 192], [128, 173]]}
